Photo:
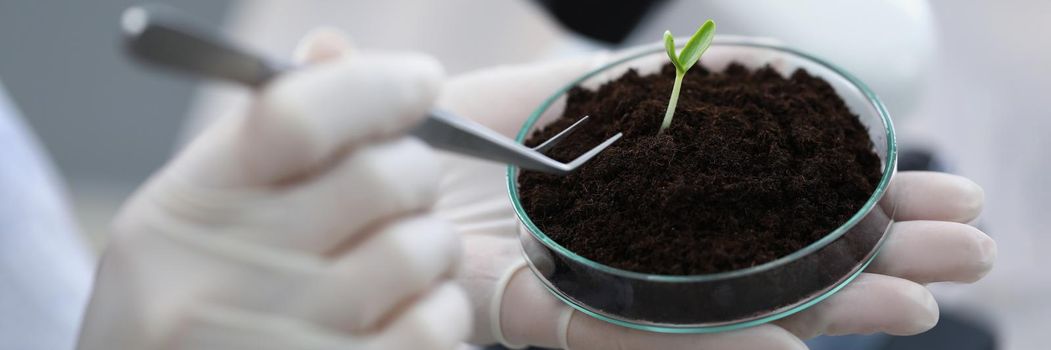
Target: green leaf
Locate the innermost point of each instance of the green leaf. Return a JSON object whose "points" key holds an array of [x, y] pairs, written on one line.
{"points": [[669, 44], [696, 46]]}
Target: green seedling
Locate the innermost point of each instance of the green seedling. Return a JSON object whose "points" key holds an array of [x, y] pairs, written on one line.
{"points": [[691, 52]]}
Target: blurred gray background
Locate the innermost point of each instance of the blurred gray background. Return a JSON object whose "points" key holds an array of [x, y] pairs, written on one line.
{"points": [[106, 122]]}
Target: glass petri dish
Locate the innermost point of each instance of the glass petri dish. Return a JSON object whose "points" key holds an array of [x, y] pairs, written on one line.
{"points": [[727, 300]]}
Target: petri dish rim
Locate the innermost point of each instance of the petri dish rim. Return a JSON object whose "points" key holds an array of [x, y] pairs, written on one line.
{"points": [[889, 168], [715, 328]]}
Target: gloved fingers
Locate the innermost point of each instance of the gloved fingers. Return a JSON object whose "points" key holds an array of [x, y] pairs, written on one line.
{"points": [[935, 251], [222, 327], [871, 303], [489, 261], [531, 315], [501, 98], [325, 215], [352, 292], [922, 195], [322, 44], [472, 195], [306, 119], [441, 320], [587, 333], [360, 289]]}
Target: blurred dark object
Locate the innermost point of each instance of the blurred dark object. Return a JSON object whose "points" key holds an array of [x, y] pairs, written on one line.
{"points": [[951, 333], [606, 21], [920, 159]]}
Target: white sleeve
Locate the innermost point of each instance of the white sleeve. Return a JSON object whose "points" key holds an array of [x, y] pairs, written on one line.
{"points": [[45, 267]]}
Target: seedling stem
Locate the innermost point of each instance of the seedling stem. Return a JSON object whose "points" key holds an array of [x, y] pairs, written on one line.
{"points": [[691, 52]]}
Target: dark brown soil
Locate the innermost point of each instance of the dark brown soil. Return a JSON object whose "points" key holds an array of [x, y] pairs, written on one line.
{"points": [[754, 167]]}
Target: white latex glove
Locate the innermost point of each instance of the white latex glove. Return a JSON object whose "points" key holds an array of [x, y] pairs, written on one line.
{"points": [[931, 243], [302, 224]]}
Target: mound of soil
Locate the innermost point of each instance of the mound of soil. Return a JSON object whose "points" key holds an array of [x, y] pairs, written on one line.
{"points": [[754, 167]]}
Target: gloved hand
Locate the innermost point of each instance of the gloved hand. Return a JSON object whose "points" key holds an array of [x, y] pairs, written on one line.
{"points": [[930, 243], [301, 224]]}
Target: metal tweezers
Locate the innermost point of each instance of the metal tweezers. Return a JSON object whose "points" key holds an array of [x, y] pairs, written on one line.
{"points": [[165, 37]]}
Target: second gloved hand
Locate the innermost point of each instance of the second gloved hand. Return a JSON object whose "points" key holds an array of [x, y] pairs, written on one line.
{"points": [[930, 243], [301, 224]]}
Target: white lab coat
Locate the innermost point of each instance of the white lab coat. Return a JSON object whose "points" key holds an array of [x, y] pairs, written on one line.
{"points": [[45, 267]]}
